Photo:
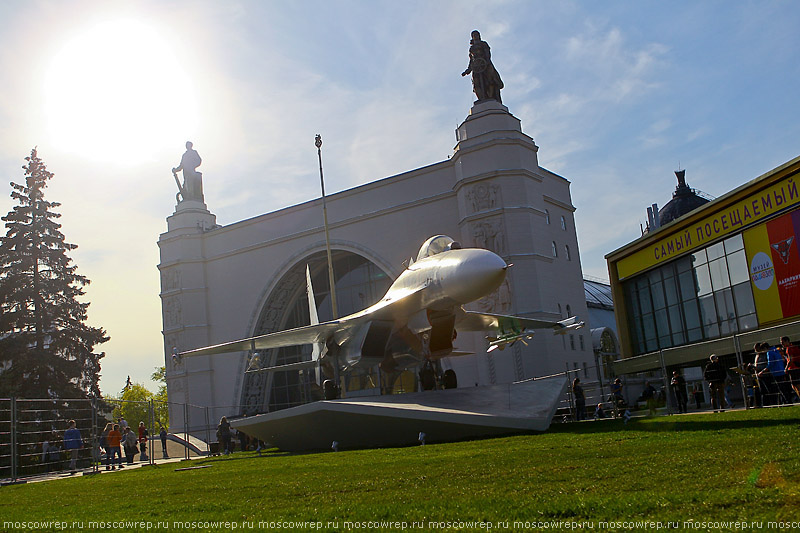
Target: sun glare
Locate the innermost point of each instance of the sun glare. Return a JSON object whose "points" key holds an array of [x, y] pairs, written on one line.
{"points": [[117, 92]]}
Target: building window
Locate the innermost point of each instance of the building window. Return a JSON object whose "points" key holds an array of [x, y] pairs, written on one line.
{"points": [[547, 216], [555, 249], [563, 223], [572, 343], [585, 370], [559, 311], [569, 311], [703, 295], [583, 346], [566, 250]]}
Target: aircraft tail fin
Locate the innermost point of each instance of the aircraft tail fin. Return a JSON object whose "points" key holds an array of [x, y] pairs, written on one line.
{"points": [[312, 311]]}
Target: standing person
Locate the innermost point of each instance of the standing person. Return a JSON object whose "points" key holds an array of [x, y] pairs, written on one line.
{"points": [[129, 443], [163, 435], [766, 383], [114, 440], [777, 367], [792, 355], [122, 424], [616, 392], [224, 435], [73, 443], [728, 391], [104, 438], [580, 400], [678, 385], [143, 441], [751, 384], [697, 393], [649, 397], [715, 375], [617, 401]]}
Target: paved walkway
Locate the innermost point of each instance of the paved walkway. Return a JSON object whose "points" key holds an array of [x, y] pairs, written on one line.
{"points": [[176, 454], [101, 470]]}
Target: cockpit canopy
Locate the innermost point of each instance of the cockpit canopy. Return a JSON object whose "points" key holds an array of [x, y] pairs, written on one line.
{"points": [[437, 244]]}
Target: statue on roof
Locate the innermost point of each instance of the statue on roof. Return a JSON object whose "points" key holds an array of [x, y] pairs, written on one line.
{"points": [[486, 81], [192, 188]]}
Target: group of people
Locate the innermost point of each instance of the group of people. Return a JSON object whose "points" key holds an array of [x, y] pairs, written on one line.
{"points": [[579, 396], [773, 377], [119, 436]]}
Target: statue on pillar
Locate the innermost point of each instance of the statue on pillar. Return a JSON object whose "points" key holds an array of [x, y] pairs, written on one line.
{"points": [[486, 81], [192, 188]]}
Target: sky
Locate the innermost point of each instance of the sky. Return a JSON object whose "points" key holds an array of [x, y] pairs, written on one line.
{"points": [[617, 95]]}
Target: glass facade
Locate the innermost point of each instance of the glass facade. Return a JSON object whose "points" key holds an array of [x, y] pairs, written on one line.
{"points": [[700, 296], [359, 284]]}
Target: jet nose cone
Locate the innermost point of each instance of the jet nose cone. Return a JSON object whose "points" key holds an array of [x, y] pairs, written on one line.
{"points": [[479, 273]]}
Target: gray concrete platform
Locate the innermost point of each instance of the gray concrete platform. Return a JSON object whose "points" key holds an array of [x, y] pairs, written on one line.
{"points": [[397, 420]]}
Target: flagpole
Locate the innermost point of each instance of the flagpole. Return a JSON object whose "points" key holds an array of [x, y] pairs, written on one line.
{"points": [[318, 143]]}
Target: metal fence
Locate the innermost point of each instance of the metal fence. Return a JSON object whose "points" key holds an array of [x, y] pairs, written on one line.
{"points": [[741, 390], [32, 430], [32, 433]]}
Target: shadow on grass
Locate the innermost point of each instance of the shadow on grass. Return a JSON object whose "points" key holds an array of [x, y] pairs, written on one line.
{"points": [[246, 456]]}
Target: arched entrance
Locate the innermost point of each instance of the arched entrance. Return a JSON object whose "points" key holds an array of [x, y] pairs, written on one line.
{"points": [[359, 284]]}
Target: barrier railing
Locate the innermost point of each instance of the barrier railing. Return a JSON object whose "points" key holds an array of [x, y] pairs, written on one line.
{"points": [[32, 430]]}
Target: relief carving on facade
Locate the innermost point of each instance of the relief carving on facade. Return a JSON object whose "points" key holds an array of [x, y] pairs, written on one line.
{"points": [[170, 279], [173, 313], [172, 341], [490, 234], [482, 197], [497, 302], [178, 385]]}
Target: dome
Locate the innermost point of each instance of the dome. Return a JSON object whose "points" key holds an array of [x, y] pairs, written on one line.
{"points": [[684, 199]]}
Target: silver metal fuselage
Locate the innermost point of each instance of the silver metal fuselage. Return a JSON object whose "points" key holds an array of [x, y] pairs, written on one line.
{"points": [[445, 281], [432, 286]]}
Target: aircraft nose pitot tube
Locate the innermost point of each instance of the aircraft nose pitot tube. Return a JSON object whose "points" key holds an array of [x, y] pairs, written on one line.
{"points": [[479, 273]]}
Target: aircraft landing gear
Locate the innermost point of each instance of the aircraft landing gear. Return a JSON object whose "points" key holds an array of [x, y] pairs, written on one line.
{"points": [[329, 389], [449, 379]]}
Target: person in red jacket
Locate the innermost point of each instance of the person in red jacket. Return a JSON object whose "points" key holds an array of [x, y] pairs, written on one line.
{"points": [[143, 441], [792, 355]]}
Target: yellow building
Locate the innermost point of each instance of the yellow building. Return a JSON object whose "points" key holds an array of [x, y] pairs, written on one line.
{"points": [[716, 280]]}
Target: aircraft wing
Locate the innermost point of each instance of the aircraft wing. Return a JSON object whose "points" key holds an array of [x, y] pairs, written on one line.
{"points": [[474, 321], [290, 337], [394, 307]]}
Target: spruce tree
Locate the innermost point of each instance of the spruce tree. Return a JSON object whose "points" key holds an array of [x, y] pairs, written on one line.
{"points": [[46, 347]]}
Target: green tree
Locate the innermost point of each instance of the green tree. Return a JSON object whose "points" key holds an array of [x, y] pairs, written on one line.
{"points": [[160, 406], [46, 348], [135, 405]]}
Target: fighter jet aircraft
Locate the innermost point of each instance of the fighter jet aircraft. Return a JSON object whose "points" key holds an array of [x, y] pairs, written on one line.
{"points": [[416, 321]]}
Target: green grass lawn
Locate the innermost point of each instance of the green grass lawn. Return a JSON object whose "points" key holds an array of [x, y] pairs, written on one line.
{"points": [[715, 468]]}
